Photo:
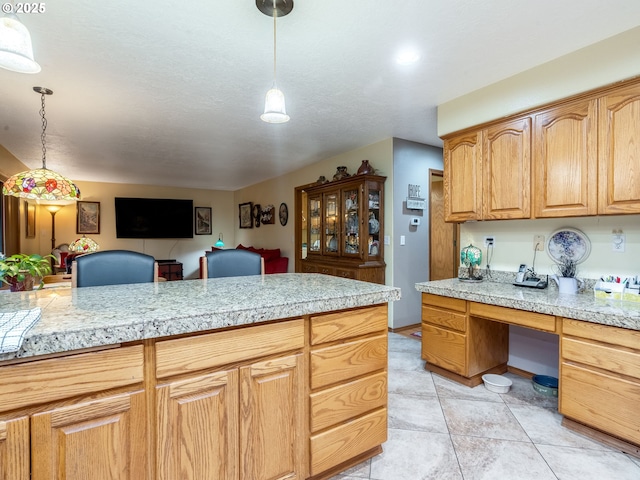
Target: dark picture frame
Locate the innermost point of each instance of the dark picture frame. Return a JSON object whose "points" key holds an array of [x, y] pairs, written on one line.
{"points": [[268, 215], [88, 217], [30, 219], [283, 213], [202, 219], [245, 214]]}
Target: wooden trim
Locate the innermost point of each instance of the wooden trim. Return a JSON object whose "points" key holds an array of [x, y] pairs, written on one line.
{"points": [[602, 437], [469, 382]]}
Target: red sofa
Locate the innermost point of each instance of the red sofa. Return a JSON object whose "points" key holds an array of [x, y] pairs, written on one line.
{"points": [[273, 261]]}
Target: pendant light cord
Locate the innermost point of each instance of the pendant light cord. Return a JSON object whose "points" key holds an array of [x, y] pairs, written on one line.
{"points": [[44, 135], [275, 14]]}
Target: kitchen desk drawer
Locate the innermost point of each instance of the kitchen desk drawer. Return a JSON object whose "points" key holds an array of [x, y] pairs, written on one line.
{"points": [[444, 302], [538, 321], [346, 441], [341, 362], [349, 324], [444, 318], [606, 357], [601, 401], [337, 404], [444, 348], [602, 333]]}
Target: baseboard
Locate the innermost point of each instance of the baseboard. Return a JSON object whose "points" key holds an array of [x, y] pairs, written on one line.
{"points": [[403, 329]]}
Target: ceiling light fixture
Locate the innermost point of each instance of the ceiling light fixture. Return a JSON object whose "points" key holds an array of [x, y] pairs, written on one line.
{"points": [[16, 51], [41, 183], [407, 57], [274, 108]]}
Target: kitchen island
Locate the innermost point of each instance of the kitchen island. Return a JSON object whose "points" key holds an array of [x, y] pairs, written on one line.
{"points": [[281, 376], [465, 335]]}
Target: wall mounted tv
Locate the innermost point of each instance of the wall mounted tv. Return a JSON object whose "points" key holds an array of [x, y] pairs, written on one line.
{"points": [[154, 218]]}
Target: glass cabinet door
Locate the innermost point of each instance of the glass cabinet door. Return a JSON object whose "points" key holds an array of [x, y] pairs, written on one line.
{"points": [[314, 225], [350, 204], [331, 223], [373, 223]]}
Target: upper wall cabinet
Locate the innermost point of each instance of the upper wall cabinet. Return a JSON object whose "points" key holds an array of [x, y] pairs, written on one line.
{"points": [[506, 190], [487, 173], [463, 177], [619, 152], [565, 160]]}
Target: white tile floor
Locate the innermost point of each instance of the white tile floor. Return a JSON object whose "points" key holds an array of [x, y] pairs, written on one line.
{"points": [[441, 430]]}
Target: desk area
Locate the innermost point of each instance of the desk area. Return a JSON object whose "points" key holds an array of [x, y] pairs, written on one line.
{"points": [[465, 334]]}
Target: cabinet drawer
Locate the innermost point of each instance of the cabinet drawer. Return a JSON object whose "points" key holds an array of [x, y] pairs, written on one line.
{"points": [[444, 348], [602, 333], [352, 323], [348, 440], [58, 378], [338, 404], [444, 318], [538, 321], [444, 302], [602, 356], [348, 360], [190, 354], [601, 401], [345, 273]]}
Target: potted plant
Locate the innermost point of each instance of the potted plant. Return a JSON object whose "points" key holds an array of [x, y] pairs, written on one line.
{"points": [[20, 270], [566, 280]]}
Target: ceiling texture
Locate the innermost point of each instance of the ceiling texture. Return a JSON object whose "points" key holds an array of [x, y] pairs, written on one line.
{"points": [[170, 93]]}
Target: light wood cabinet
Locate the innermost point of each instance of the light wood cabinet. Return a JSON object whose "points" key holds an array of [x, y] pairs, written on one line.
{"points": [[600, 378], [348, 378], [565, 160], [487, 173], [345, 228], [506, 188], [102, 439], [243, 421], [15, 458], [463, 177], [459, 345], [619, 152]]}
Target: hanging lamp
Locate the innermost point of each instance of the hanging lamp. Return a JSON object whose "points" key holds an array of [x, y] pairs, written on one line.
{"points": [[41, 183], [16, 51], [219, 243], [274, 107]]}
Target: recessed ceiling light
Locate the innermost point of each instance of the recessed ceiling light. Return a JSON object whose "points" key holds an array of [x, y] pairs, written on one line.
{"points": [[407, 57]]}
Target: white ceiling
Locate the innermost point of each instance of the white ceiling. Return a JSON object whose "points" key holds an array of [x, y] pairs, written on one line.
{"points": [[170, 92]]}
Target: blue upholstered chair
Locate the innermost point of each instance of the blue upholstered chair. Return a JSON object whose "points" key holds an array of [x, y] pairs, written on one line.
{"points": [[231, 263], [113, 267]]}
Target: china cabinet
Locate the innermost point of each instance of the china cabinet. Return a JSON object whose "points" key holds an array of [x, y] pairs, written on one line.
{"points": [[345, 228]]}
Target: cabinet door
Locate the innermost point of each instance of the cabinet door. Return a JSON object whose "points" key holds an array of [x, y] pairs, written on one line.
{"points": [[102, 439], [272, 445], [619, 158], [463, 178], [507, 170], [565, 156], [352, 218], [197, 427], [14, 449], [331, 224], [314, 242]]}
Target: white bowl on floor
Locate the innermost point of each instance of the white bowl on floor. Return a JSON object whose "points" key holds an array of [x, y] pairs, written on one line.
{"points": [[496, 383]]}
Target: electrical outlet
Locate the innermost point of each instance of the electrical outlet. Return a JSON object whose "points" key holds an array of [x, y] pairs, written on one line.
{"points": [[489, 241], [538, 243]]}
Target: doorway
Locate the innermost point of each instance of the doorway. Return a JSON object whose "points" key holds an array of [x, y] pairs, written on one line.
{"points": [[443, 236]]}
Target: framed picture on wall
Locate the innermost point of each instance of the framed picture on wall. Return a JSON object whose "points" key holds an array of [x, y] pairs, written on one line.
{"points": [[203, 220], [88, 217], [30, 219], [245, 214]]}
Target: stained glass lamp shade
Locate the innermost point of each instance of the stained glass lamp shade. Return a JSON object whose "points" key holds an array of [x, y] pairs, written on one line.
{"points": [[471, 257], [83, 245], [41, 183]]}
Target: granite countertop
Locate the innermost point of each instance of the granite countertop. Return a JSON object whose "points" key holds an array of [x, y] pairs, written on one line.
{"points": [[583, 306], [78, 318]]}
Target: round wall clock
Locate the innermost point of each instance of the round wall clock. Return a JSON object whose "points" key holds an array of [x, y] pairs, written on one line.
{"points": [[284, 214]]}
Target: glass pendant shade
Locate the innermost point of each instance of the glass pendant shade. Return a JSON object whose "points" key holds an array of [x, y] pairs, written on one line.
{"points": [[83, 245], [41, 184], [16, 51], [219, 243], [274, 108]]}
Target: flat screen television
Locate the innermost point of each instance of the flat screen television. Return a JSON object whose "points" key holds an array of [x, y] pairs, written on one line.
{"points": [[154, 218]]}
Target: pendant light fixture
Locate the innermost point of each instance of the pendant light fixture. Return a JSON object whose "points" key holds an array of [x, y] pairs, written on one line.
{"points": [[274, 108], [16, 51], [41, 183]]}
